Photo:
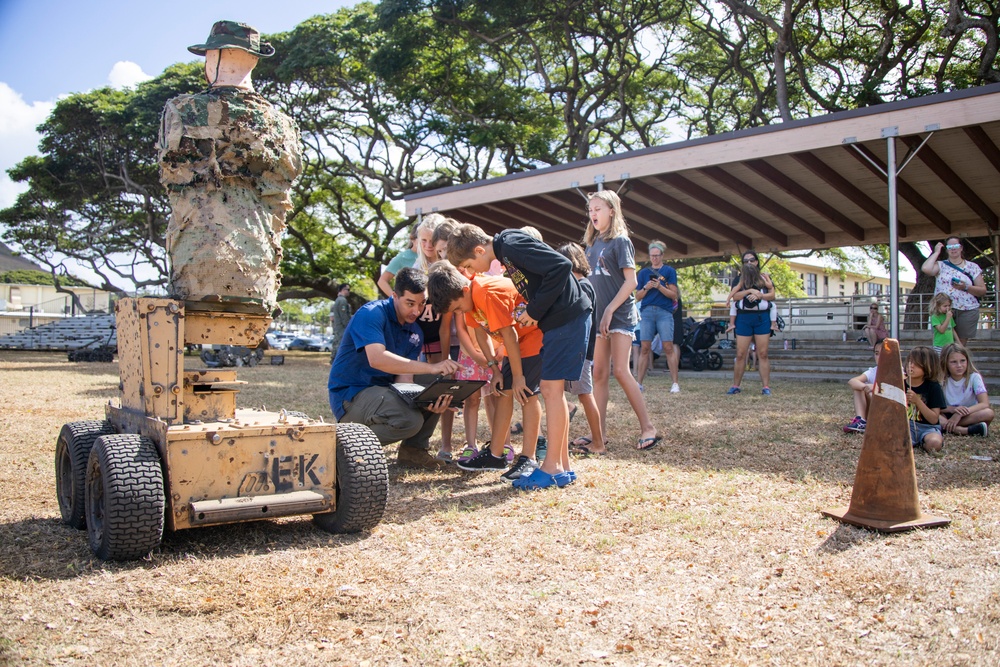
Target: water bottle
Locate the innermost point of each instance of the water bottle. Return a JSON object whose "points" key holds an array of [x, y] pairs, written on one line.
{"points": [[843, 337], [786, 343]]}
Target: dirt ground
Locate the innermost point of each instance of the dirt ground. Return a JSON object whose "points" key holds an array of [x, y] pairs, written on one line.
{"points": [[708, 550]]}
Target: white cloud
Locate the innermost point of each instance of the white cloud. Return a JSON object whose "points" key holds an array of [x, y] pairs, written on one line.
{"points": [[18, 138], [18, 120], [126, 74]]}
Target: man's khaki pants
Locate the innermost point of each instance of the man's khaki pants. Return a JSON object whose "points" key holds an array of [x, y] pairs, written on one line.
{"points": [[391, 417]]}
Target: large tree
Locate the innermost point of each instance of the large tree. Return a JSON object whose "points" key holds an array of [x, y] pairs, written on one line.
{"points": [[94, 195], [410, 95]]}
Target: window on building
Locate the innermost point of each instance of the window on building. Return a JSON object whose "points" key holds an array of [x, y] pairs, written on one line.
{"points": [[857, 287], [811, 284], [727, 276], [826, 285]]}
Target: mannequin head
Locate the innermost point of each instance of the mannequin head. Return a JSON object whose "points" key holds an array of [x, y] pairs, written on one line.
{"points": [[229, 67], [231, 52]]}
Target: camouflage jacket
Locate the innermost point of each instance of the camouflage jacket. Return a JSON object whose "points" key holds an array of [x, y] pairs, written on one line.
{"points": [[228, 133]]}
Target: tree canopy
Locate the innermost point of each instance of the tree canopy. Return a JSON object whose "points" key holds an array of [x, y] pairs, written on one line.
{"points": [[409, 95], [32, 277]]}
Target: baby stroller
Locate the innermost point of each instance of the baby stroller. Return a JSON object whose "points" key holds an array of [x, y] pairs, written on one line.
{"points": [[698, 337]]}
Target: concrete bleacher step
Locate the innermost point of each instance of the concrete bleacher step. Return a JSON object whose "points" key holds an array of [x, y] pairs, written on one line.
{"points": [[826, 360], [68, 334]]}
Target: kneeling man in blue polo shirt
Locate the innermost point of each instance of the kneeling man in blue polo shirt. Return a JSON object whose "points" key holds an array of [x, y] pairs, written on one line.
{"points": [[381, 346]]}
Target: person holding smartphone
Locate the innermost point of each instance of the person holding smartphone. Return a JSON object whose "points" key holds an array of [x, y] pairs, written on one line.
{"points": [[961, 280]]}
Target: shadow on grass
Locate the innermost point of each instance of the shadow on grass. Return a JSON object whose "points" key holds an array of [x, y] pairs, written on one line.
{"points": [[846, 537], [47, 549], [796, 433]]}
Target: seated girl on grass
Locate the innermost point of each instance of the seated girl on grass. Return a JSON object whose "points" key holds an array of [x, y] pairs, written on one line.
{"points": [[968, 411]]}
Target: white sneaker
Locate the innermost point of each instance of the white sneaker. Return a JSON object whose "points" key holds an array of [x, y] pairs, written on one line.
{"points": [[675, 388]]}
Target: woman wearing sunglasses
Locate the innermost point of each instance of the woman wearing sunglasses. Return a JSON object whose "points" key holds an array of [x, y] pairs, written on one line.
{"points": [[752, 293], [961, 280]]}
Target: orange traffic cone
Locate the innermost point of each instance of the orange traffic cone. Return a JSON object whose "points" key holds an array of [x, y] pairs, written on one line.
{"points": [[885, 485]]}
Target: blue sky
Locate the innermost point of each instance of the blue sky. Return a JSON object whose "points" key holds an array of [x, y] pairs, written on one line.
{"points": [[50, 48]]}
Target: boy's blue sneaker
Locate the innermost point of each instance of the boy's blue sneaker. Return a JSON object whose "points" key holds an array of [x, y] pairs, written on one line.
{"points": [[733, 390], [565, 478], [766, 391], [484, 460], [536, 480]]}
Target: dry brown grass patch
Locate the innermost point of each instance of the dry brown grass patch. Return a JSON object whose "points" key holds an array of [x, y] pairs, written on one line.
{"points": [[709, 549]]}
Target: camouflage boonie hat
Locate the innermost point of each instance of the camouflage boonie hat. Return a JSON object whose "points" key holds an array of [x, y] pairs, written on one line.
{"points": [[233, 35]]}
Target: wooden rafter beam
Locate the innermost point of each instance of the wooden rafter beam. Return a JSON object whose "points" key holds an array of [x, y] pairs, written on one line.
{"points": [[669, 224], [846, 188], [708, 198], [929, 157], [777, 178], [877, 166], [704, 220], [752, 195]]}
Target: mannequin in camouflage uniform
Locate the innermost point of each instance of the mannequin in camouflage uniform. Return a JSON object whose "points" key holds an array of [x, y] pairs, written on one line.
{"points": [[228, 159]]}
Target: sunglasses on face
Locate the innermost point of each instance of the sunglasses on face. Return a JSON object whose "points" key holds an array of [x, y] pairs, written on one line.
{"points": [[953, 246], [749, 260]]}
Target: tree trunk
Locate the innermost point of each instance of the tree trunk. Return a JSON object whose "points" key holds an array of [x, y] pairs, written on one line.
{"points": [[915, 313]]}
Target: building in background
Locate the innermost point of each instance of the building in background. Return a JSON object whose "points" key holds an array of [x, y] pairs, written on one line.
{"points": [[24, 302], [835, 305], [825, 282]]}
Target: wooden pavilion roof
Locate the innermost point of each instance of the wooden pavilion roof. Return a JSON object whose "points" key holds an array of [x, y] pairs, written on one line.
{"points": [[812, 183]]}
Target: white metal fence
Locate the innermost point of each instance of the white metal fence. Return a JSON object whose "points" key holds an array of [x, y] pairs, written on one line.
{"points": [[845, 314]]}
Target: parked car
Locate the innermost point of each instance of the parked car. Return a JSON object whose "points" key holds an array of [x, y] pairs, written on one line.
{"points": [[305, 343], [326, 344], [277, 341]]}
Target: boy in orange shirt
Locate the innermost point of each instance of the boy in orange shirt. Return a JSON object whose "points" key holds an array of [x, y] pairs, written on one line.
{"points": [[491, 305]]}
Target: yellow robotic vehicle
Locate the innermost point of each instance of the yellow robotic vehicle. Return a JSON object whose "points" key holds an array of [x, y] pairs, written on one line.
{"points": [[177, 454]]}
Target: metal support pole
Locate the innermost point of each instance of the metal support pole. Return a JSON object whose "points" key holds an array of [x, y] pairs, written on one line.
{"points": [[893, 239]]}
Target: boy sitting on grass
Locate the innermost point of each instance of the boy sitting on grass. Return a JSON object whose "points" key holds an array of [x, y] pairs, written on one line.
{"points": [[558, 306], [489, 304], [863, 386]]}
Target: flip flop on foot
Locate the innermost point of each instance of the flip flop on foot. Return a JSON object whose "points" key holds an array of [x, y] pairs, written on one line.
{"points": [[582, 441], [585, 451], [648, 443]]}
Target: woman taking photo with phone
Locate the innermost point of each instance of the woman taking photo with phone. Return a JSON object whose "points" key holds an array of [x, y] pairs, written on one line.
{"points": [[961, 280]]}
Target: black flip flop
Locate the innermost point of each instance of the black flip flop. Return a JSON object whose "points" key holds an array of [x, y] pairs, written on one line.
{"points": [[585, 451], [648, 443]]}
